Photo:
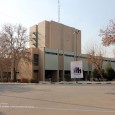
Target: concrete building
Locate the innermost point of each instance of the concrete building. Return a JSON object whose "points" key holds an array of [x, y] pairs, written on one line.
{"points": [[53, 46], [58, 45]]}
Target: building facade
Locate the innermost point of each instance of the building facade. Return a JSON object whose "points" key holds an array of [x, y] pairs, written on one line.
{"points": [[58, 45], [53, 46]]}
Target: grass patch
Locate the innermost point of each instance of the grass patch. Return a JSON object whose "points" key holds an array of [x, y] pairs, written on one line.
{"points": [[44, 83], [108, 83], [61, 83], [79, 83], [98, 83], [89, 83], [70, 83]]}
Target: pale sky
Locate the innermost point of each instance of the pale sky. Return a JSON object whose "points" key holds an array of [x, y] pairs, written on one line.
{"points": [[87, 15]]}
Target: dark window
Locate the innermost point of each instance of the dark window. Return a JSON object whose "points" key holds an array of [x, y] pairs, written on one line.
{"points": [[36, 59], [51, 53], [68, 55]]}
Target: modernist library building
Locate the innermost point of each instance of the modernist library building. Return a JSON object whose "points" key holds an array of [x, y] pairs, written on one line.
{"points": [[53, 47]]}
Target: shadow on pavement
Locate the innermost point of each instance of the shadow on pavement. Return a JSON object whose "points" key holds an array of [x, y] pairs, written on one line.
{"points": [[18, 88], [1, 113]]}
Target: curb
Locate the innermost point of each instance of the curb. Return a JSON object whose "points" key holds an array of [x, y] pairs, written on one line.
{"points": [[57, 83]]}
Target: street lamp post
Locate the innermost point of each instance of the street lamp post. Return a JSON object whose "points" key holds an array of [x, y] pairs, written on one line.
{"points": [[75, 44], [75, 47]]}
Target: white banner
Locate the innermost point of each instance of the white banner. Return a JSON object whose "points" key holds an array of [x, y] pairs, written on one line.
{"points": [[76, 69]]}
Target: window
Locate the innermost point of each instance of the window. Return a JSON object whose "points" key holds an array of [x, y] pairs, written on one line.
{"points": [[51, 53], [68, 55], [36, 59]]}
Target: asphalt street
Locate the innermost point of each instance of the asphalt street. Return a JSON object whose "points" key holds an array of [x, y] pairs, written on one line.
{"points": [[57, 99]]}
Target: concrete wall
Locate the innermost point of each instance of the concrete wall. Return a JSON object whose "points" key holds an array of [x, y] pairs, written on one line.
{"points": [[62, 37], [42, 34], [32, 35], [57, 59], [25, 68], [54, 35], [68, 58], [41, 64], [51, 59]]}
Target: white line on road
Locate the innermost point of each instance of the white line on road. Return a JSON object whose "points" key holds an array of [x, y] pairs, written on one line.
{"points": [[3, 103], [57, 109]]}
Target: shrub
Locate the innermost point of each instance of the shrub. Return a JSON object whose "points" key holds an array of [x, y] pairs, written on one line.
{"points": [[19, 80], [33, 80], [67, 77], [24, 80], [110, 74], [97, 76], [95, 73]]}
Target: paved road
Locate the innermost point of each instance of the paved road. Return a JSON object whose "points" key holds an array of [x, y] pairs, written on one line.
{"points": [[44, 99]]}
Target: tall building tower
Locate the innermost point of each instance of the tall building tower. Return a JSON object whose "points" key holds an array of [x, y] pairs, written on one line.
{"points": [[57, 45], [50, 34]]}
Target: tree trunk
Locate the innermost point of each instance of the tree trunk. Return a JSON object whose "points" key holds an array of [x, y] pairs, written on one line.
{"points": [[14, 74]]}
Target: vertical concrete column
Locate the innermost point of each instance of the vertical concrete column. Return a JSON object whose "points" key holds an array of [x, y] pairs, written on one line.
{"points": [[63, 67], [44, 64], [58, 66]]}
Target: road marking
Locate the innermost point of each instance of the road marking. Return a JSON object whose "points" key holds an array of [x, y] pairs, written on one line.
{"points": [[57, 109], [3, 103]]}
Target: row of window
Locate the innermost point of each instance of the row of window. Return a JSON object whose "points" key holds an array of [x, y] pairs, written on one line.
{"points": [[36, 57], [59, 54]]}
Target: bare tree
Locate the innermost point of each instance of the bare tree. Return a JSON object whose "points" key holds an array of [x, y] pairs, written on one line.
{"points": [[2, 68], [14, 41], [95, 57], [5, 65], [108, 34], [5, 62]]}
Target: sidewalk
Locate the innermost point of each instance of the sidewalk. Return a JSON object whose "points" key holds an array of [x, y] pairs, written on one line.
{"points": [[64, 82], [87, 82]]}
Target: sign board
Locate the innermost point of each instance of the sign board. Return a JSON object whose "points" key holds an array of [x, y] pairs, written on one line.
{"points": [[76, 69]]}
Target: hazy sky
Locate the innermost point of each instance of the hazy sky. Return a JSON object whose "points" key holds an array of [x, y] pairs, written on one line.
{"points": [[87, 15]]}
